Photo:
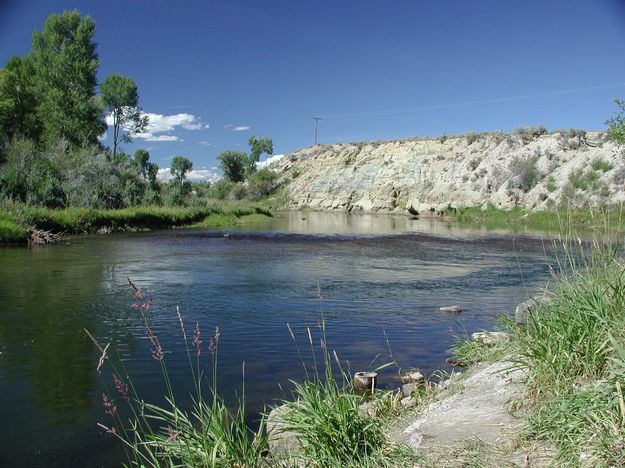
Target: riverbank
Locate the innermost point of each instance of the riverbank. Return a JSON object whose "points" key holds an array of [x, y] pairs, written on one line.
{"points": [[560, 221], [16, 223]]}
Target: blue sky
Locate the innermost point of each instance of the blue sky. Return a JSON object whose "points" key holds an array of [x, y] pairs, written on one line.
{"points": [[215, 72]]}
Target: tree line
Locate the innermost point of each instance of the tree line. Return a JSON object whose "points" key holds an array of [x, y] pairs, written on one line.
{"points": [[52, 119]]}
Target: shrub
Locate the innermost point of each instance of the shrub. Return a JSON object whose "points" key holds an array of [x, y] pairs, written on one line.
{"points": [[551, 184], [601, 165], [526, 170], [529, 134], [581, 180], [262, 183]]}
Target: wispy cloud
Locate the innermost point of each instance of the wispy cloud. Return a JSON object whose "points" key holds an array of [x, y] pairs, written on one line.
{"points": [[161, 126], [237, 128], [206, 143]]}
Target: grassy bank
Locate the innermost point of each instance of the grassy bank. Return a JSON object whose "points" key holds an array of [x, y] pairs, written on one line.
{"points": [[14, 223], [558, 221], [573, 348]]}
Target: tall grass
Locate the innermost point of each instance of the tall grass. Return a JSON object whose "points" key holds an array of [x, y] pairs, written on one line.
{"points": [[209, 434], [573, 348], [325, 415]]}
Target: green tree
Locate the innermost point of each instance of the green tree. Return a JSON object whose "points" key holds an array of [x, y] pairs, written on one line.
{"points": [[258, 146], [233, 164], [121, 100], [616, 125], [17, 101], [180, 166], [140, 160], [65, 63]]}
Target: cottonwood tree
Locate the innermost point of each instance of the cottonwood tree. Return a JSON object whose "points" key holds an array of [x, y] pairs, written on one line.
{"points": [[257, 146], [64, 64], [233, 164], [17, 101], [121, 100]]}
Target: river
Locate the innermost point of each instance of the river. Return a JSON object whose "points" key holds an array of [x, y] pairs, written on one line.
{"points": [[381, 278]]}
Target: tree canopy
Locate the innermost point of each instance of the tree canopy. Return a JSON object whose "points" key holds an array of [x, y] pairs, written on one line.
{"points": [[233, 164], [257, 146], [64, 64], [121, 99]]}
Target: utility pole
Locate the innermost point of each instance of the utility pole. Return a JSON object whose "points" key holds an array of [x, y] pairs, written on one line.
{"points": [[316, 119]]}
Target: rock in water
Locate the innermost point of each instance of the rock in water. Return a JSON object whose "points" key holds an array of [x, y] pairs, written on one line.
{"points": [[455, 309]]}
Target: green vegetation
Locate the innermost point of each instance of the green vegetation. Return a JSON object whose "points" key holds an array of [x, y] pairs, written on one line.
{"points": [[529, 134], [553, 221], [54, 173], [551, 184], [326, 418], [572, 348], [121, 99], [526, 170], [15, 223], [583, 180], [616, 125], [601, 165]]}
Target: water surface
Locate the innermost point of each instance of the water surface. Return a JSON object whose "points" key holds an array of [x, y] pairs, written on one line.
{"points": [[382, 279]]}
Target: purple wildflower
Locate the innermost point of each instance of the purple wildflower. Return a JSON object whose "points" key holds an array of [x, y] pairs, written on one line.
{"points": [[121, 387], [109, 407], [196, 340]]}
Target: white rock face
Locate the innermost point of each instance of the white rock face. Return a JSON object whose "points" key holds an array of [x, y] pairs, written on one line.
{"points": [[432, 175]]}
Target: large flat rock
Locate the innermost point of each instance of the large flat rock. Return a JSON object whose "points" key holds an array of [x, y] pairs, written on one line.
{"points": [[477, 412]]}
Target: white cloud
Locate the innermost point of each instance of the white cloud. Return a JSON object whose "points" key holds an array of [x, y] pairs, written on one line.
{"points": [[199, 175], [150, 137], [237, 128], [269, 160], [206, 143], [160, 126]]}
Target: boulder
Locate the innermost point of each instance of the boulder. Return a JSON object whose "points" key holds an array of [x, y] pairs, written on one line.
{"points": [[408, 402], [524, 309], [490, 338], [279, 440], [414, 377], [407, 389]]}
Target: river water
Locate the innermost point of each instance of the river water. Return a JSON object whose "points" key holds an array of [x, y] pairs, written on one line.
{"points": [[381, 278]]}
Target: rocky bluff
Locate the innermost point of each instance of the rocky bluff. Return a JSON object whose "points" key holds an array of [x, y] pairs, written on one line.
{"points": [[426, 176]]}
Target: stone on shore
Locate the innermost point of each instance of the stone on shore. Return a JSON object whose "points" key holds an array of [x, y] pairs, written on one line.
{"points": [[477, 412], [490, 338], [526, 308], [280, 441]]}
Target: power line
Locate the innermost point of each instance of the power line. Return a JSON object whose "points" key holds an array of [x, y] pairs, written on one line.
{"points": [[363, 114], [316, 119]]}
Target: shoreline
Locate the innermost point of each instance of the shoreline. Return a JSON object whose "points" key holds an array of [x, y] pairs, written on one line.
{"points": [[17, 225]]}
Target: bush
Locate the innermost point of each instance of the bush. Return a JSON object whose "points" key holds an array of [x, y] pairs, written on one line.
{"points": [[585, 180], [262, 183], [529, 134], [526, 170], [221, 189], [601, 165], [551, 184]]}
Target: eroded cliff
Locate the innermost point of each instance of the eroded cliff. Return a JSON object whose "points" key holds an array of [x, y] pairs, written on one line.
{"points": [[427, 176]]}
